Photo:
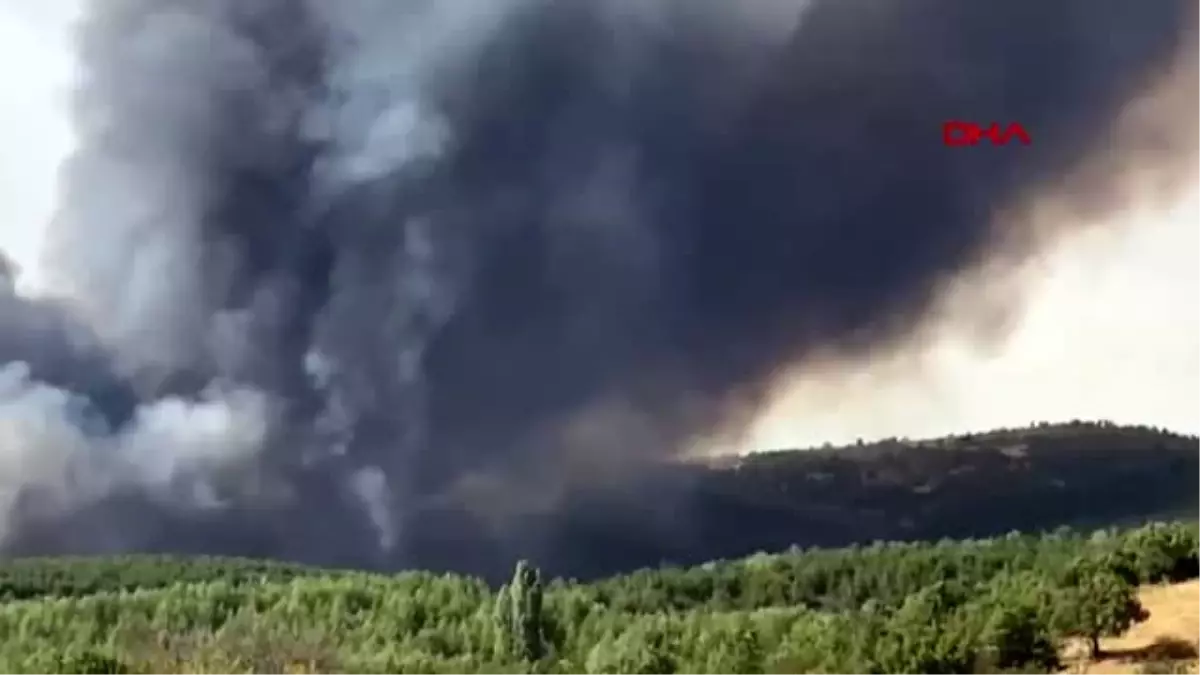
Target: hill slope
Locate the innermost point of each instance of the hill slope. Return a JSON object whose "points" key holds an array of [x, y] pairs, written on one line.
{"points": [[1042, 477], [1037, 478]]}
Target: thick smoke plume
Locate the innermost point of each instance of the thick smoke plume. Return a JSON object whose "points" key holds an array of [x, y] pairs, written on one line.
{"points": [[327, 268]]}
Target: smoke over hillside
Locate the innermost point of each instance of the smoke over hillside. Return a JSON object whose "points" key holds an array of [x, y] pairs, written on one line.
{"points": [[322, 265]]}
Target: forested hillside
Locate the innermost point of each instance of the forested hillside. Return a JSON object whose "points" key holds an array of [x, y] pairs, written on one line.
{"points": [[1036, 478], [1006, 604]]}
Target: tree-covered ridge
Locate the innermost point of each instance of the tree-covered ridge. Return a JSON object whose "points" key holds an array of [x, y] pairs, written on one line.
{"points": [[1083, 475], [1076, 434], [1032, 479], [971, 606]]}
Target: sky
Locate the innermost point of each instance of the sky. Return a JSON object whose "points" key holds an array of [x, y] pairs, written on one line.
{"points": [[35, 63], [1111, 329]]}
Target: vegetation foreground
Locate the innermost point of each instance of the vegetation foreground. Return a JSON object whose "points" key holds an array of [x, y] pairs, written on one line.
{"points": [[1013, 603]]}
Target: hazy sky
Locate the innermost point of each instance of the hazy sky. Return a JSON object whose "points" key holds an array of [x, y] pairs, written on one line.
{"points": [[1113, 330], [35, 65]]}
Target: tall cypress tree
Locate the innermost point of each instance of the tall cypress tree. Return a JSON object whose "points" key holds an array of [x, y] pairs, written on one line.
{"points": [[519, 615]]}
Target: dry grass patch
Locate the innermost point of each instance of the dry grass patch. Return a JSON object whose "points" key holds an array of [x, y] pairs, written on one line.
{"points": [[1167, 642]]}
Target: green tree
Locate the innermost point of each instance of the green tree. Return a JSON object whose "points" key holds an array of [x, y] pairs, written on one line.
{"points": [[1014, 628], [1097, 600], [1163, 552], [642, 647], [1017, 637], [730, 644], [518, 614]]}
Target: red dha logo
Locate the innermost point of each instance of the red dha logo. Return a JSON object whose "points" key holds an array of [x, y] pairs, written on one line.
{"points": [[957, 134]]}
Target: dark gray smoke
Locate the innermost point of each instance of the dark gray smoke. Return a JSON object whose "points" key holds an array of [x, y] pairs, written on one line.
{"points": [[337, 265]]}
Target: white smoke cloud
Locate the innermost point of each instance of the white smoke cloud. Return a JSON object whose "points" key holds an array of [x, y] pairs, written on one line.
{"points": [[141, 285], [54, 447], [386, 56], [57, 453]]}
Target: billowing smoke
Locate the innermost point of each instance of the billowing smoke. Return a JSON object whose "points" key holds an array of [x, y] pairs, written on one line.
{"points": [[327, 267]]}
